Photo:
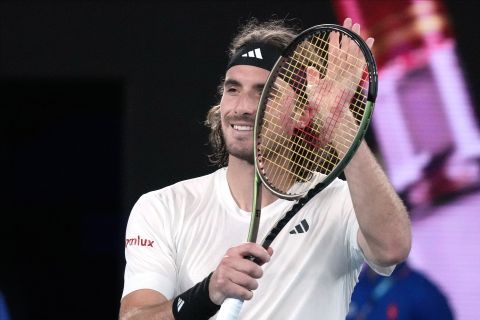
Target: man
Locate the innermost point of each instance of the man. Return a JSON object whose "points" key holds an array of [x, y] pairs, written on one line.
{"points": [[194, 229]]}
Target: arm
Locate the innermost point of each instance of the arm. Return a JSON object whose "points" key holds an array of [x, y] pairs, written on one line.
{"points": [[152, 264], [234, 277], [146, 304], [384, 235]]}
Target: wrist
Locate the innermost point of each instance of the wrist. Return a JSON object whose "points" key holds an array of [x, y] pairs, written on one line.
{"points": [[195, 303]]}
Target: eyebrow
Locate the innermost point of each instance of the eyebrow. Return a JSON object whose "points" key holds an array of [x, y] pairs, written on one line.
{"points": [[233, 82]]}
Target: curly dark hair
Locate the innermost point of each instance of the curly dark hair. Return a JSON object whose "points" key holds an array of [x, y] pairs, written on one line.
{"points": [[274, 32]]}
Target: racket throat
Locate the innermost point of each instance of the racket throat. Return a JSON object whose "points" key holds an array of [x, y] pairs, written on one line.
{"points": [[256, 209]]}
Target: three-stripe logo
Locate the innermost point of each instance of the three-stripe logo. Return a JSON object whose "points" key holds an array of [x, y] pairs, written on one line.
{"points": [[256, 53], [302, 227], [180, 303]]}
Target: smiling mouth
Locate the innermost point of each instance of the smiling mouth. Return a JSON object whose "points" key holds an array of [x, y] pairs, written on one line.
{"points": [[242, 127]]}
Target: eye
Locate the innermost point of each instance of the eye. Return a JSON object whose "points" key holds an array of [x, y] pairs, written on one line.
{"points": [[231, 89]]}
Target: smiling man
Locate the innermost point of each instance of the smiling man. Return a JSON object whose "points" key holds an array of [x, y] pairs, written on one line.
{"points": [[197, 227], [242, 89]]}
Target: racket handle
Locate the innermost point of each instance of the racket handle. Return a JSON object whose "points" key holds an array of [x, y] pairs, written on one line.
{"points": [[230, 309]]}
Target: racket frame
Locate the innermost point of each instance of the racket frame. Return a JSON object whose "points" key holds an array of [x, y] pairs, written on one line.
{"points": [[363, 126]]}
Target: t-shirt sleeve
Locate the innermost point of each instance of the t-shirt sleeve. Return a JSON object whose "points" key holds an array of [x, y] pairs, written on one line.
{"points": [[149, 248], [357, 252]]}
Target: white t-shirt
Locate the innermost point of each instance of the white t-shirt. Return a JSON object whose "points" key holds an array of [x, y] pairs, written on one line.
{"points": [[177, 235]]}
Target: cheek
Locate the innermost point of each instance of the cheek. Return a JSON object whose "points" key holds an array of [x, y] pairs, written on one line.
{"points": [[222, 118], [224, 109], [225, 102]]}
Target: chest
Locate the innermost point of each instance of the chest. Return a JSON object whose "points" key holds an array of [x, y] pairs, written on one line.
{"points": [[310, 242]]}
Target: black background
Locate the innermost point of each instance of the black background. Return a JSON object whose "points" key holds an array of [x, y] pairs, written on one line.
{"points": [[103, 101]]}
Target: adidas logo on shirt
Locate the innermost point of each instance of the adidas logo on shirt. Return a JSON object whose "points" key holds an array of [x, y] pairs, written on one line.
{"points": [[302, 227], [256, 53]]}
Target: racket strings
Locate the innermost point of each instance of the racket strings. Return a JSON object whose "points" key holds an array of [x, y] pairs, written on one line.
{"points": [[296, 140], [300, 108], [288, 145], [311, 134], [278, 161], [318, 47], [356, 110], [301, 154], [358, 100], [348, 62]]}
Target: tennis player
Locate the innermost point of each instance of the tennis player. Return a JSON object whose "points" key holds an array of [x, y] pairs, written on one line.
{"points": [[185, 249]]}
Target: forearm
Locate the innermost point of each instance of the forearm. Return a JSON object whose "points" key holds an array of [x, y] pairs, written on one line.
{"points": [[385, 235], [160, 311]]}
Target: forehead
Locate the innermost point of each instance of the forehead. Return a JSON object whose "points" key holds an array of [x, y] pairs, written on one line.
{"points": [[247, 75]]}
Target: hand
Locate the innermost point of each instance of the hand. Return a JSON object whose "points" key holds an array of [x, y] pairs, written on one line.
{"points": [[331, 95], [236, 276]]}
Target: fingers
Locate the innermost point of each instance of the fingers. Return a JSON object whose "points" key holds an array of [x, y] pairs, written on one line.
{"points": [[234, 284], [313, 77], [236, 276], [356, 28], [369, 42], [317, 89], [348, 23], [354, 60], [313, 83], [270, 251], [250, 249]]}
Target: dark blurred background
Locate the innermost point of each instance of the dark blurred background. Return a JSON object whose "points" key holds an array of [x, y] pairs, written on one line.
{"points": [[102, 101]]}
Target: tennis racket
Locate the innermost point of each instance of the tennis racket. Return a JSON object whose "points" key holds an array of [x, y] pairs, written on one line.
{"points": [[313, 113]]}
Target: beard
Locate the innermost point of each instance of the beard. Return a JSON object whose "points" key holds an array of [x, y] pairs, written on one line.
{"points": [[240, 148], [241, 152]]}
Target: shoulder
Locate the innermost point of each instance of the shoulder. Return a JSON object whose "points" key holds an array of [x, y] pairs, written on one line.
{"points": [[338, 185], [337, 192], [169, 204], [188, 187], [184, 192]]}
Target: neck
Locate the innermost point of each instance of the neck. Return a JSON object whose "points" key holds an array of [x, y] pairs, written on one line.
{"points": [[240, 177]]}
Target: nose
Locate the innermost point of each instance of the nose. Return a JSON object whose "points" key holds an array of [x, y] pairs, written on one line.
{"points": [[246, 104]]}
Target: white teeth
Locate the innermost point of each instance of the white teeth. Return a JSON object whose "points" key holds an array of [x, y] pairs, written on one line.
{"points": [[242, 128]]}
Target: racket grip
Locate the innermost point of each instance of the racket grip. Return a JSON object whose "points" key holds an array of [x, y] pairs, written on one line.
{"points": [[230, 309]]}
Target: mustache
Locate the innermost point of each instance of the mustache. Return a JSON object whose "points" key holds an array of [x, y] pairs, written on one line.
{"points": [[240, 118]]}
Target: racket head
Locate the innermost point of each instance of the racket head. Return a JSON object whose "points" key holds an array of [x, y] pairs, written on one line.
{"points": [[307, 131]]}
